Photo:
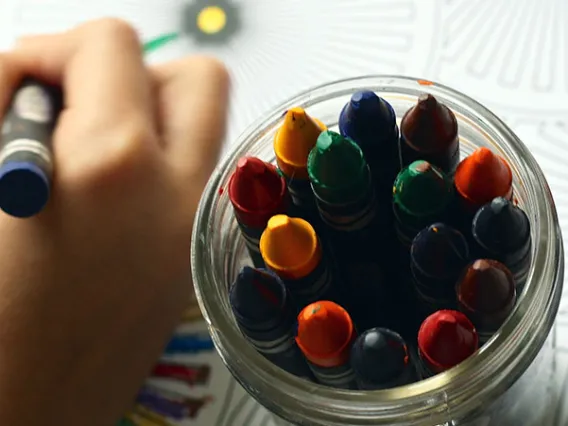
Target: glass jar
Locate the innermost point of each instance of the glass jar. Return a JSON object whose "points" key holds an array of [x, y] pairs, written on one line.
{"points": [[507, 382]]}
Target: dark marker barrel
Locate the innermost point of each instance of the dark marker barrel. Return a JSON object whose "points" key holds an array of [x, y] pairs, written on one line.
{"points": [[291, 248], [325, 335], [380, 360], [421, 196], [26, 158], [266, 316], [486, 295], [429, 131], [438, 256], [445, 339], [257, 192], [370, 121], [502, 231]]}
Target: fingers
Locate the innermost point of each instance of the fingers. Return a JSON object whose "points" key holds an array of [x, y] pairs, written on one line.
{"points": [[100, 64], [192, 105]]}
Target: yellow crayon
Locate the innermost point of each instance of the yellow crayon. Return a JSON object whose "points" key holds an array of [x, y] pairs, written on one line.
{"points": [[294, 140], [152, 419]]}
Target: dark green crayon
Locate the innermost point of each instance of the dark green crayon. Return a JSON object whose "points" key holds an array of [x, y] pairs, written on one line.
{"points": [[421, 196], [347, 204]]}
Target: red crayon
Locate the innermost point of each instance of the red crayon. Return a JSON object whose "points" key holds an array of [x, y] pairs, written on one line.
{"points": [[445, 339], [191, 375], [257, 192]]}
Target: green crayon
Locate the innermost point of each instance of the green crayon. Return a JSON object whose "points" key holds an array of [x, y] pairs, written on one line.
{"points": [[347, 204], [422, 194]]}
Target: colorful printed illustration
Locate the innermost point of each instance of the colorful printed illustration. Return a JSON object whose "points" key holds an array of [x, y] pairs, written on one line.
{"points": [[206, 22], [189, 343], [170, 404], [189, 374]]}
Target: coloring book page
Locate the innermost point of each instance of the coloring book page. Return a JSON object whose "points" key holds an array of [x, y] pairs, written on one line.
{"points": [[514, 60]]}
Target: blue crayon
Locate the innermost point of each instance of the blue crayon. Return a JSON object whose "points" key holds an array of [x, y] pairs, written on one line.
{"points": [[502, 231], [381, 360], [189, 343], [370, 121], [438, 255], [26, 158], [264, 312]]}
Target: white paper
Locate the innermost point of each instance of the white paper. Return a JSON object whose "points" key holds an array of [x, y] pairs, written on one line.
{"points": [[511, 56]]}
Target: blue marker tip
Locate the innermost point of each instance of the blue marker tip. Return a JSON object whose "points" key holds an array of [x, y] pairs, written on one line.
{"points": [[24, 188]]}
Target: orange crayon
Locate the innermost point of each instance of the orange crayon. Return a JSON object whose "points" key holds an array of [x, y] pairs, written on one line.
{"points": [[325, 335], [292, 143], [480, 178], [291, 248]]}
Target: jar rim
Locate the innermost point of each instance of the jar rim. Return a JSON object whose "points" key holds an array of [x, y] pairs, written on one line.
{"points": [[503, 358]]}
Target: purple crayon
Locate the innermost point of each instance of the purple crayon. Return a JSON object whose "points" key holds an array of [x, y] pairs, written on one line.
{"points": [[171, 405]]}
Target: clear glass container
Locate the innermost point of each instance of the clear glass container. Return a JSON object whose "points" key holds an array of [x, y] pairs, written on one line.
{"points": [[507, 382]]}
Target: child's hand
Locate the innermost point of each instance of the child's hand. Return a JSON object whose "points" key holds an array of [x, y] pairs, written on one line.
{"points": [[92, 287]]}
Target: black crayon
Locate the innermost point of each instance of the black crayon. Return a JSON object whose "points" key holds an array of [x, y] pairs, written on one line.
{"points": [[266, 316]]}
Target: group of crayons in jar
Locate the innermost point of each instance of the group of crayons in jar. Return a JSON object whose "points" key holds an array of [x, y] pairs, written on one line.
{"points": [[157, 406], [379, 258]]}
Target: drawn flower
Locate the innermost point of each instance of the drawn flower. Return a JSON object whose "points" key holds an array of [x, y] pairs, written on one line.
{"points": [[211, 22]]}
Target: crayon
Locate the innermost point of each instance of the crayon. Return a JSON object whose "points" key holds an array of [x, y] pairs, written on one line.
{"points": [[486, 295], [347, 203], [421, 196], [429, 131], [257, 192], [445, 339], [325, 335], [291, 248], [481, 177], [502, 231], [438, 255], [189, 374], [26, 158], [342, 185], [292, 143], [370, 121], [267, 317], [177, 407], [380, 360], [189, 343]]}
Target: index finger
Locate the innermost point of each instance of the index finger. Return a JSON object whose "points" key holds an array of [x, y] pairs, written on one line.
{"points": [[99, 63]]}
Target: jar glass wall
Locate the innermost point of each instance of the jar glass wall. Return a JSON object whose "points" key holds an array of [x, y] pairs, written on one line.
{"points": [[493, 386]]}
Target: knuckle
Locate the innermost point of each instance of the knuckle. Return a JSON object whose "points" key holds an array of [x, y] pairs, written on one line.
{"points": [[115, 30], [209, 67]]}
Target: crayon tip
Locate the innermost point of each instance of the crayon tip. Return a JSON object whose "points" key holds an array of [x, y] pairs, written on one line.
{"points": [[482, 176], [256, 191], [427, 102], [421, 189], [294, 140], [379, 355], [290, 246], [486, 293], [325, 331], [257, 295], [335, 162], [429, 126], [368, 103], [439, 250], [446, 338], [501, 227]]}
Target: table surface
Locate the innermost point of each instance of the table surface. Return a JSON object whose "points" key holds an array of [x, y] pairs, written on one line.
{"points": [[512, 59]]}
